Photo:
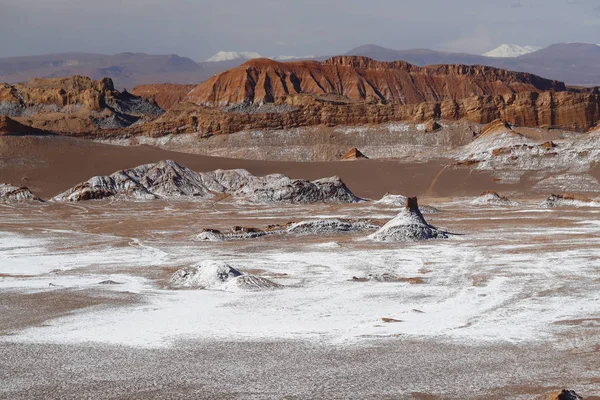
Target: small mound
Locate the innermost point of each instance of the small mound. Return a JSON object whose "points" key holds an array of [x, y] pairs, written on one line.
{"points": [[11, 193], [217, 275], [211, 235], [328, 226], [385, 277], [492, 198], [235, 233], [409, 225], [568, 200], [354, 154]]}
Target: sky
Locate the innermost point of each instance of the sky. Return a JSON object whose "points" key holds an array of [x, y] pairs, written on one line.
{"points": [[200, 28]]}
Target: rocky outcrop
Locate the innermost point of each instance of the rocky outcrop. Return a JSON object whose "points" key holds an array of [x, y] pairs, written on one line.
{"points": [[568, 200], [328, 226], [73, 105], [215, 275], [354, 154], [496, 126], [564, 395], [492, 198], [302, 228], [361, 78], [167, 179], [166, 95], [11, 193], [408, 225]]}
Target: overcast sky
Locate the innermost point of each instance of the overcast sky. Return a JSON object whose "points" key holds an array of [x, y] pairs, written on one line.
{"points": [[199, 28]]}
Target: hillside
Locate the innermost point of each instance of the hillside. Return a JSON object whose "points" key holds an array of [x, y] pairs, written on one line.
{"points": [[360, 78]]}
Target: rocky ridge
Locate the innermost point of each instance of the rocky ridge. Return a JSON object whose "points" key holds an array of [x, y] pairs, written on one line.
{"points": [[167, 179], [361, 78], [326, 226]]}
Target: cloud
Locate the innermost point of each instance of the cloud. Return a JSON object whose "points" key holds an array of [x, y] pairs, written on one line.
{"points": [[516, 4]]}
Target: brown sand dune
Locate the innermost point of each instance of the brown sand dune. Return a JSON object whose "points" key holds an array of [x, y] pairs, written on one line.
{"points": [[52, 164]]}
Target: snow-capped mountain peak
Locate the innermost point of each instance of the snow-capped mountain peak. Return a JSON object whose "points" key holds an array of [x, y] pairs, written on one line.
{"points": [[233, 55], [511, 50]]}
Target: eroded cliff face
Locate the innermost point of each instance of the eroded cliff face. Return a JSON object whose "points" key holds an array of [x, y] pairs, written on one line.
{"points": [[360, 78], [571, 111], [74, 90], [73, 105]]}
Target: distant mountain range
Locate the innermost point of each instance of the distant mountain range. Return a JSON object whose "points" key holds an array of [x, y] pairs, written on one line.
{"points": [[250, 55], [572, 63]]}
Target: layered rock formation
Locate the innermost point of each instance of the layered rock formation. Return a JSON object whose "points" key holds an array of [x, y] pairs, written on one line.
{"points": [[11, 193], [567, 110], [354, 154], [167, 179], [408, 225], [73, 105], [217, 275], [361, 78]]}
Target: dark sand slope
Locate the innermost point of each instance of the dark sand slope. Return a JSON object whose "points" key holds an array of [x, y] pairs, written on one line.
{"points": [[50, 165]]}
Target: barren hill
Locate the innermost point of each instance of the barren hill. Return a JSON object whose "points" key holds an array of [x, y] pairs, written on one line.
{"points": [[125, 69], [360, 78]]}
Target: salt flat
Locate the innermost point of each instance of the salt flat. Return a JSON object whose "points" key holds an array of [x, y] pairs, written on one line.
{"points": [[516, 277]]}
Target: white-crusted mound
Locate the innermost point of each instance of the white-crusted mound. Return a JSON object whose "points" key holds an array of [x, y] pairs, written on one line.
{"points": [[218, 275], [408, 225], [491, 198], [12, 193], [328, 226], [568, 200], [167, 179]]}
